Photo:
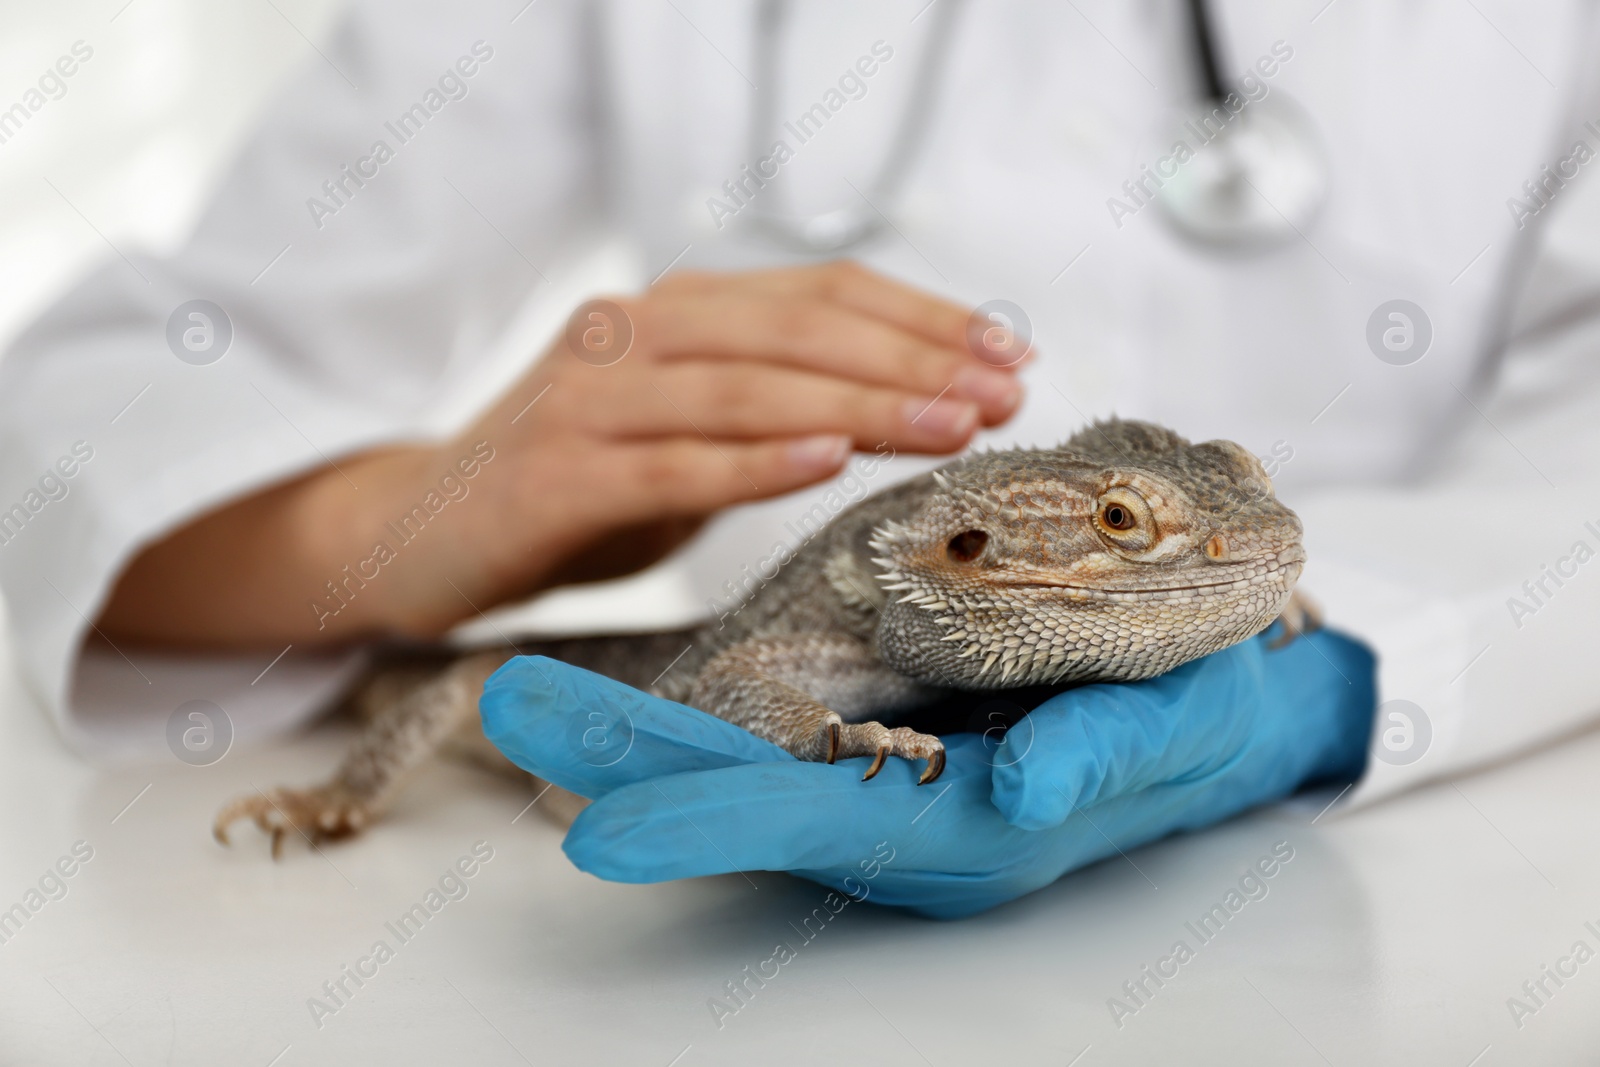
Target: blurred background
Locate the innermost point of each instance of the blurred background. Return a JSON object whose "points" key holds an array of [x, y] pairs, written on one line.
{"points": [[125, 157]]}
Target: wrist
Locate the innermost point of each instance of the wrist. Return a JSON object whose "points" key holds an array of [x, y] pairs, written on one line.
{"points": [[371, 547]]}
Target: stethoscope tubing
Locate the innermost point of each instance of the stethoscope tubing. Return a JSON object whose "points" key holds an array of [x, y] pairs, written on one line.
{"points": [[868, 218], [831, 233]]}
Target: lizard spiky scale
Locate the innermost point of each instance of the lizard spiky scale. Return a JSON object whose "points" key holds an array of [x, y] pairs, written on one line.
{"points": [[1120, 555]]}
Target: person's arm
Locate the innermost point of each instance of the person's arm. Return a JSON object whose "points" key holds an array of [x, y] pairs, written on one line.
{"points": [[735, 387], [420, 174]]}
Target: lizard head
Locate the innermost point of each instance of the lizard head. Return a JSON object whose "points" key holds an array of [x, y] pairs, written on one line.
{"points": [[1120, 555]]}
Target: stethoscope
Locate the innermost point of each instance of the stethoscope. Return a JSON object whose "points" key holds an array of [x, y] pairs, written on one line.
{"points": [[1257, 183]]}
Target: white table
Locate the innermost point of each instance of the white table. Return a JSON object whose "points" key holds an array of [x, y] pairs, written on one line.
{"points": [[1395, 935]]}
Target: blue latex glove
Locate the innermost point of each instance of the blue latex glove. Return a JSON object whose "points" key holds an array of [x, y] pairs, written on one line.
{"points": [[679, 793]]}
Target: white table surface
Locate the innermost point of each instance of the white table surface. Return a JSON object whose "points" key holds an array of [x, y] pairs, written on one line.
{"points": [[1395, 935]]}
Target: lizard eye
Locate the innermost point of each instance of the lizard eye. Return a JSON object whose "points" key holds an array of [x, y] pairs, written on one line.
{"points": [[1117, 517], [1124, 519], [967, 545]]}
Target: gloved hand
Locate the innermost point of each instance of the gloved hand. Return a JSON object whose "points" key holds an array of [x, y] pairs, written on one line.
{"points": [[679, 793]]}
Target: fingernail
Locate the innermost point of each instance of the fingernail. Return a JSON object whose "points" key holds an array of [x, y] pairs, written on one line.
{"points": [[822, 452], [991, 388], [943, 418]]}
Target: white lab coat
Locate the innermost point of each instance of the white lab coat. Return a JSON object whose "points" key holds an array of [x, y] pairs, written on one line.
{"points": [[380, 312]]}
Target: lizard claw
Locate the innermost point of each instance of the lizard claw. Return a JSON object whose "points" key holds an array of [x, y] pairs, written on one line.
{"points": [[324, 813], [878, 741]]}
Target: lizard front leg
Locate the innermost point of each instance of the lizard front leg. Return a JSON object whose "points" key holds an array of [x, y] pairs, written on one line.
{"points": [[396, 741], [1300, 616], [802, 691]]}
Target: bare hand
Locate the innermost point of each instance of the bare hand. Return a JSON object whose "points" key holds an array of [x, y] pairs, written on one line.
{"points": [[736, 387]]}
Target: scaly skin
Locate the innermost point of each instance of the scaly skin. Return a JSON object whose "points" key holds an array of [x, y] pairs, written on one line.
{"points": [[1118, 556]]}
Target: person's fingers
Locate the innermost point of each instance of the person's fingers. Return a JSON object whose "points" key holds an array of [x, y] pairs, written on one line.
{"points": [[754, 401], [598, 486], [850, 284], [821, 337], [694, 476], [1089, 745], [590, 734], [795, 816]]}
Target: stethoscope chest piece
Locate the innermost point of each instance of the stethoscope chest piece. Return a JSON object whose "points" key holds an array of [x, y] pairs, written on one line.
{"points": [[1254, 182], [1252, 174]]}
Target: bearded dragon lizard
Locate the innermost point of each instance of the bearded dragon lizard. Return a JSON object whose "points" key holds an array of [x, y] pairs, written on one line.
{"points": [[1120, 555]]}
